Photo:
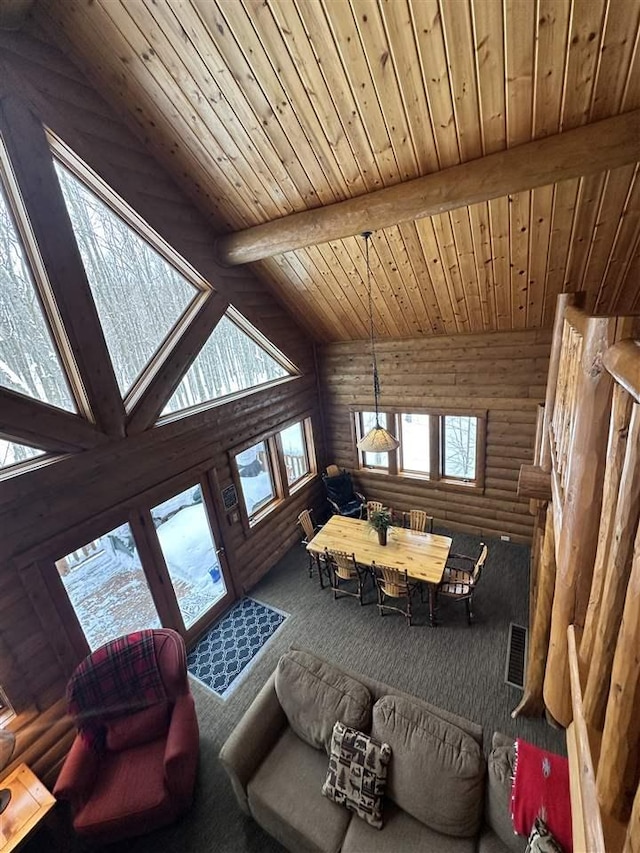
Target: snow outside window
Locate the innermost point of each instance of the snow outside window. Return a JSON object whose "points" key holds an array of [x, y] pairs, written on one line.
{"points": [[12, 453], [139, 296], [367, 422], [108, 588], [29, 361], [256, 482], [414, 443], [459, 446], [294, 449]]}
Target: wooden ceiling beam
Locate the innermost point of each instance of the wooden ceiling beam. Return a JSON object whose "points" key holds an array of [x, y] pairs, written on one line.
{"points": [[38, 424], [585, 150]]}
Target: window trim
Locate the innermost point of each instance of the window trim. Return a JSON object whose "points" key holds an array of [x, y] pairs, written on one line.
{"points": [[435, 478], [283, 491], [7, 711], [390, 421]]}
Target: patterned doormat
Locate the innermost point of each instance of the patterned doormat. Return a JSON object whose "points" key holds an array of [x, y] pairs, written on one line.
{"points": [[226, 652]]}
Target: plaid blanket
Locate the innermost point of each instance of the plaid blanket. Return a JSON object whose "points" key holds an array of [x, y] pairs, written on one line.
{"points": [[120, 676]]}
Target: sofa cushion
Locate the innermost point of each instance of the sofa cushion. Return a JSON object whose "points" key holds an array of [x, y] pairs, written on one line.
{"points": [[315, 695], [401, 833], [490, 843], [286, 800], [499, 783], [437, 772], [136, 729], [357, 774]]}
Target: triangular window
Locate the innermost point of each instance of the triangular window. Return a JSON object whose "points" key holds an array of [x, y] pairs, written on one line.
{"points": [[13, 454], [29, 361], [231, 361], [140, 297]]}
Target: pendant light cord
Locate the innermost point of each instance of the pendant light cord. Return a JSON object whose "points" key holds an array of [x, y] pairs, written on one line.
{"points": [[376, 381]]}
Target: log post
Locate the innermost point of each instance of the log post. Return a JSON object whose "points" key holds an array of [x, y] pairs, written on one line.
{"points": [[632, 841], [581, 511], [616, 579], [620, 416], [618, 769], [564, 300], [533, 482], [532, 703]]}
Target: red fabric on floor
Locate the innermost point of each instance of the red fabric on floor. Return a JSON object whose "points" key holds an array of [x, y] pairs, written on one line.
{"points": [[541, 789]]}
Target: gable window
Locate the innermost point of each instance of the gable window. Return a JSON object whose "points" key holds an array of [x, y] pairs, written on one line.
{"points": [[271, 469], [435, 446], [6, 711]]}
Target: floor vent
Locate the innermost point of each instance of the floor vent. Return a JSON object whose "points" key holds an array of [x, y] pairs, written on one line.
{"points": [[516, 655]]}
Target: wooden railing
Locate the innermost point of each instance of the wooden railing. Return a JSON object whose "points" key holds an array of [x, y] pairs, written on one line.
{"points": [[585, 618]]}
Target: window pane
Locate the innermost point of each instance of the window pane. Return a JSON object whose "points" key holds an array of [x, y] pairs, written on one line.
{"points": [[107, 587], [229, 362], [415, 443], [459, 447], [255, 477], [12, 453], [138, 294], [29, 361], [294, 448], [374, 460], [189, 552]]}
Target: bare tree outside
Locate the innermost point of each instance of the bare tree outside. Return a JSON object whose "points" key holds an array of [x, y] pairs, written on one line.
{"points": [[459, 446]]}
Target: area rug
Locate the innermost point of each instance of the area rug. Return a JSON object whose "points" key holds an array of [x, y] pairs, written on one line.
{"points": [[225, 654]]}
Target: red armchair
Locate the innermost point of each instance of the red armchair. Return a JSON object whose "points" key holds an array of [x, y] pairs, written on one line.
{"points": [[137, 770]]}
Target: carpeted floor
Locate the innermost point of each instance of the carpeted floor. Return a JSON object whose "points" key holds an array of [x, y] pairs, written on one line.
{"points": [[452, 666]]}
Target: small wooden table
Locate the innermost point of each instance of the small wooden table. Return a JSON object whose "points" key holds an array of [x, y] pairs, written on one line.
{"points": [[30, 802], [422, 555]]}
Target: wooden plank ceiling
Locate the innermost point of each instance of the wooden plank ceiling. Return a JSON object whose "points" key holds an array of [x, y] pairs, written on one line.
{"points": [[263, 108]]}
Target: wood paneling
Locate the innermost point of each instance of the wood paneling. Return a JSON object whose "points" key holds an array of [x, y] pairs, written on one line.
{"points": [[263, 109], [502, 373]]}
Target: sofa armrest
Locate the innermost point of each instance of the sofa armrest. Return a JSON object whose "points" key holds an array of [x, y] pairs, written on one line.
{"points": [[251, 740], [182, 750], [78, 774]]}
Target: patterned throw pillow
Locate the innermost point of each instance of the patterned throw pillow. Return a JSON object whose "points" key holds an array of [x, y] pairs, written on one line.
{"points": [[357, 773], [541, 840]]}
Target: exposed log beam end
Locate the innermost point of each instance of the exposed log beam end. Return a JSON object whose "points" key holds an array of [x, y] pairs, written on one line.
{"points": [[535, 483], [623, 363], [584, 150]]}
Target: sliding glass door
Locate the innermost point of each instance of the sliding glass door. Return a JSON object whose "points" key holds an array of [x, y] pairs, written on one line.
{"points": [[166, 566], [192, 557]]}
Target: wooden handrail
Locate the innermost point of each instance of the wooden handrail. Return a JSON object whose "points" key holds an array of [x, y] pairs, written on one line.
{"points": [[585, 810], [622, 360]]}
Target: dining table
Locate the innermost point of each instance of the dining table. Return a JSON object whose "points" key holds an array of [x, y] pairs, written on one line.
{"points": [[422, 555]]}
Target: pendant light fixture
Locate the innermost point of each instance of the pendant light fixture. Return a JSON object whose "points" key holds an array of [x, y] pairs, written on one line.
{"points": [[378, 439]]}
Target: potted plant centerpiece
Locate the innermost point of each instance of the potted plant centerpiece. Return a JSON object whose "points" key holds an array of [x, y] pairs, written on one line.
{"points": [[380, 520]]}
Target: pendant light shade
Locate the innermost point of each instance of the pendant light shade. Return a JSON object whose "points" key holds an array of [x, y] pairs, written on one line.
{"points": [[378, 439]]}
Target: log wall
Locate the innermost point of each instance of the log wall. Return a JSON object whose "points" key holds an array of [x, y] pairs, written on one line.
{"points": [[501, 373], [51, 510]]}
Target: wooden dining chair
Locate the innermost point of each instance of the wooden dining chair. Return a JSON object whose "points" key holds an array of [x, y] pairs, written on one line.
{"points": [[419, 521], [309, 529], [460, 583], [344, 573], [393, 586], [373, 506]]}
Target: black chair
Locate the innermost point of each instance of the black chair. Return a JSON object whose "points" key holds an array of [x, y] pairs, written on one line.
{"points": [[342, 497]]}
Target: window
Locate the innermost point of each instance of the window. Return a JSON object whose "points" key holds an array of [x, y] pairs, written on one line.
{"points": [[366, 422], [6, 711], [294, 451], [269, 470], [435, 446], [415, 444], [13, 454]]}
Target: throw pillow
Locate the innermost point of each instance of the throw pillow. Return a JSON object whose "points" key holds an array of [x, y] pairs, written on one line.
{"points": [[438, 770], [541, 790], [357, 773], [314, 695], [541, 840], [136, 729]]}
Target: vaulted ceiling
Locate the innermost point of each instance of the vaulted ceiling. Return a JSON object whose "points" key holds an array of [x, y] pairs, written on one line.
{"points": [[266, 108]]}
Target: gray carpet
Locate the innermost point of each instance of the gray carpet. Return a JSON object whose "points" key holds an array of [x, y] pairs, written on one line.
{"points": [[453, 666]]}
